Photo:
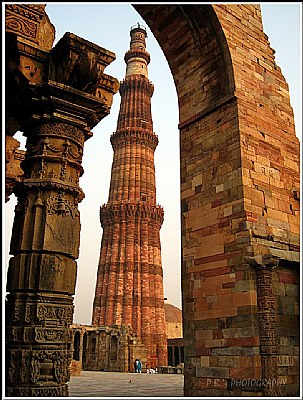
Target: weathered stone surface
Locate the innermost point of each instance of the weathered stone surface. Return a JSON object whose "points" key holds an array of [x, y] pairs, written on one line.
{"points": [[106, 348], [239, 172], [31, 23], [129, 288], [173, 320], [13, 158], [56, 119]]}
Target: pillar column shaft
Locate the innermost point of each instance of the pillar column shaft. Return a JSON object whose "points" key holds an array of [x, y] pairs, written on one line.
{"points": [[267, 323], [42, 271], [46, 230]]}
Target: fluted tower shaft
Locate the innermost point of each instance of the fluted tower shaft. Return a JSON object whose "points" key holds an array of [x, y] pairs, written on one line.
{"points": [[129, 288]]}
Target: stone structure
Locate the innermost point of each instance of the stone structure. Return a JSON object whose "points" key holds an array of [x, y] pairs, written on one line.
{"points": [[13, 158], [105, 348], [129, 288], [175, 343], [114, 348], [173, 320], [175, 354], [28, 40], [239, 190], [55, 96], [239, 200]]}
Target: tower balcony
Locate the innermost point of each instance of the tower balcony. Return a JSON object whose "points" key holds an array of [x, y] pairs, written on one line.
{"points": [[111, 213], [137, 135], [137, 53]]}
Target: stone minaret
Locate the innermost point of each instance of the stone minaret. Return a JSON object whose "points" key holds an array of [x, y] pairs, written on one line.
{"points": [[129, 288]]}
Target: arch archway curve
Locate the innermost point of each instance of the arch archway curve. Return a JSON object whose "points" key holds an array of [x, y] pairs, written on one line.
{"points": [[193, 42], [238, 150]]}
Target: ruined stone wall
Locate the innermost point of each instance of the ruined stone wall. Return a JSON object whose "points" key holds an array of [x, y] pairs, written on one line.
{"points": [[96, 357], [107, 348]]}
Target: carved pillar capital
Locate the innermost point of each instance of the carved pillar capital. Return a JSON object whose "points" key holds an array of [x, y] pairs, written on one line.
{"points": [[54, 102], [78, 63]]}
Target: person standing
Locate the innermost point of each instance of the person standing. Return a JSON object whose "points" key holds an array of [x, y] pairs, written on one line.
{"points": [[139, 366], [136, 365]]}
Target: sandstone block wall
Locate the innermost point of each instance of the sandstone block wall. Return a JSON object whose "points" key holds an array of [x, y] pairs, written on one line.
{"points": [[239, 161]]}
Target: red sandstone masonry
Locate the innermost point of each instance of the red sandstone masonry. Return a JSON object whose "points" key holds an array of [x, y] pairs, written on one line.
{"points": [[129, 286], [239, 172]]}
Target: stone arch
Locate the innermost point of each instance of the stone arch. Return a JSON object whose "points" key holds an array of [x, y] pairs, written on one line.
{"points": [[236, 139], [195, 47]]}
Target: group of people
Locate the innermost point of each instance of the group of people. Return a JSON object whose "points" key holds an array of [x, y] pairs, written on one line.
{"points": [[152, 370], [138, 368]]}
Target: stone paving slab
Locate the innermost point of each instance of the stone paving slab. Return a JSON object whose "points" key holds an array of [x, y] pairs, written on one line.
{"points": [[119, 384]]}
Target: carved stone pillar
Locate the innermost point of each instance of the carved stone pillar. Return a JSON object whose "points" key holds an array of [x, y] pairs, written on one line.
{"points": [[46, 230], [81, 347], [267, 322]]}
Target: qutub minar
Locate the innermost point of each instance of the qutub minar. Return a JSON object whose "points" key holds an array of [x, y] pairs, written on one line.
{"points": [[129, 288]]}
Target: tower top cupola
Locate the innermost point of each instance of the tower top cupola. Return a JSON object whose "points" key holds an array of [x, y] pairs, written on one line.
{"points": [[137, 58]]}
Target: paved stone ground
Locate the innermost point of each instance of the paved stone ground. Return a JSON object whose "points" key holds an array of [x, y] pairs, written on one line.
{"points": [[117, 384]]}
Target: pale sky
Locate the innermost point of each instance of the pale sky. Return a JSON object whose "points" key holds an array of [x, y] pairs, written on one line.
{"points": [[108, 25]]}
